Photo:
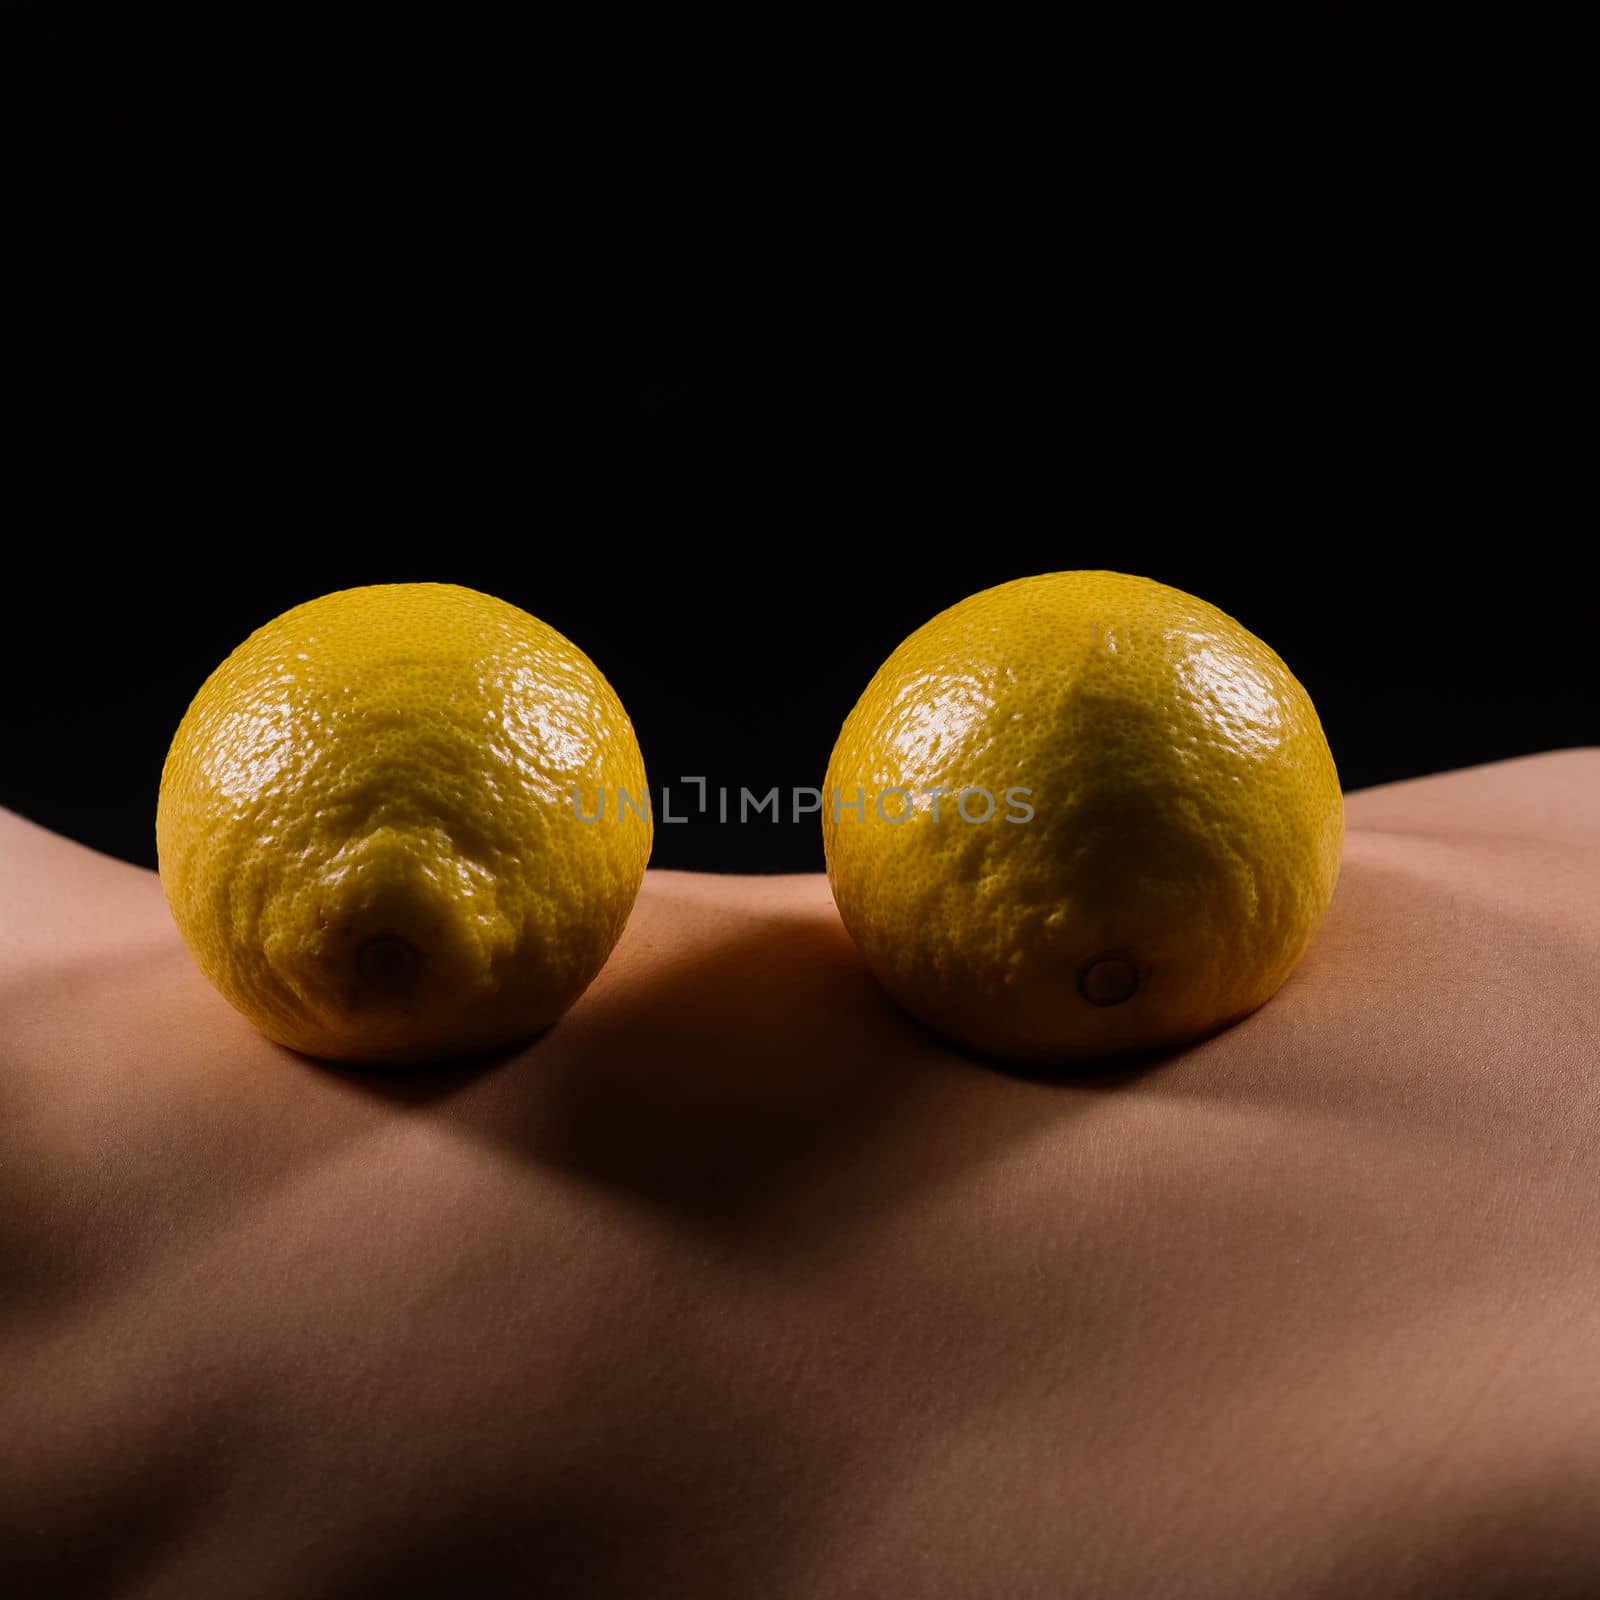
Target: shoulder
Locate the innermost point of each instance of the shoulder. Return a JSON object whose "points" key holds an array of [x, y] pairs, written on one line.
{"points": [[1483, 883], [1551, 797], [58, 897]]}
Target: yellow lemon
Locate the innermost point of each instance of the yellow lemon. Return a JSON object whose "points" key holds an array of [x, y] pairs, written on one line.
{"points": [[1082, 814], [372, 826]]}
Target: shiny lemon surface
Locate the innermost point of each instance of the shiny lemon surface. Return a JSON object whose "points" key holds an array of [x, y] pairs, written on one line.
{"points": [[1139, 827], [367, 828]]}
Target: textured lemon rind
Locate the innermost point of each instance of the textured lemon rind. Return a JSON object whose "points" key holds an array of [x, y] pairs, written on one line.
{"points": [[367, 832], [1186, 818]]}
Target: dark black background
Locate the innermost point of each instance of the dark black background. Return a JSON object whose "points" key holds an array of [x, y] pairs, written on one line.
{"points": [[735, 359]]}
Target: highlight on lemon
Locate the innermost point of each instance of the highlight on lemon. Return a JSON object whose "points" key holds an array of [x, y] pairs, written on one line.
{"points": [[366, 829], [1169, 840]]}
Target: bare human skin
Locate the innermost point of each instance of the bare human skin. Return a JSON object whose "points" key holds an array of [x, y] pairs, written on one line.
{"points": [[737, 1284]]}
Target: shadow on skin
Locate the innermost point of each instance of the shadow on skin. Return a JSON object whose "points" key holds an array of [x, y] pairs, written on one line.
{"points": [[152, 1513], [412, 1087], [761, 1086]]}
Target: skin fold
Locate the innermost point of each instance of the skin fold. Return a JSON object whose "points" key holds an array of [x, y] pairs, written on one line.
{"points": [[738, 1283]]}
